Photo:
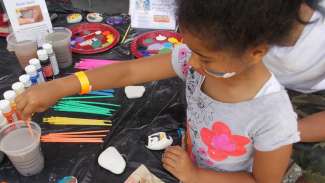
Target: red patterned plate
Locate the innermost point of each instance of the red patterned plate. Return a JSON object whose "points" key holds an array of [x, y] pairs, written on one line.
{"points": [[155, 42], [90, 38]]}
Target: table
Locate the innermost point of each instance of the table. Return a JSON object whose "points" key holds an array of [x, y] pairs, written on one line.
{"points": [[162, 108]]}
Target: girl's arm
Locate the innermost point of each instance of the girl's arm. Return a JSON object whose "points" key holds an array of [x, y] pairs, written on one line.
{"points": [[38, 98], [269, 167]]}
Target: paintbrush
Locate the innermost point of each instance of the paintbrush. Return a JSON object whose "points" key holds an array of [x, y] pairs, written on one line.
{"points": [[126, 34]]}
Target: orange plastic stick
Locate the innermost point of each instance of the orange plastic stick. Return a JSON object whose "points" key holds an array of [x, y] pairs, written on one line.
{"points": [[71, 141]]}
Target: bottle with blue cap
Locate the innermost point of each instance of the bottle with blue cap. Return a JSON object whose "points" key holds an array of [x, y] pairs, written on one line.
{"points": [[35, 62], [32, 72]]}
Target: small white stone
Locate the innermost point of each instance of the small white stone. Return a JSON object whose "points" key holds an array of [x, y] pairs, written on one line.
{"points": [[134, 91]]}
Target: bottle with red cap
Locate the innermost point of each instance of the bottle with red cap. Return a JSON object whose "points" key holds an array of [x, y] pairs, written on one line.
{"points": [[49, 49], [46, 64]]}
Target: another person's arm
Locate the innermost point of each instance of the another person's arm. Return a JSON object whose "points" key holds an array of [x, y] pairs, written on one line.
{"points": [[39, 97], [312, 127]]}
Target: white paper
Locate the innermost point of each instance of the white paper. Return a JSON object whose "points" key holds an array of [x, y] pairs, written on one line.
{"points": [[29, 19], [153, 14]]}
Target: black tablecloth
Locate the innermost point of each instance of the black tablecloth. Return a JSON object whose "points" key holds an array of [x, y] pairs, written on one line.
{"points": [[161, 109]]}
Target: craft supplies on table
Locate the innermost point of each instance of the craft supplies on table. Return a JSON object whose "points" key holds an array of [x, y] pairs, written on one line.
{"points": [[46, 65], [22, 148], [94, 17], [54, 62], [76, 121], [35, 62], [95, 136], [77, 104], [24, 50], [155, 42], [86, 64], [68, 179], [90, 38], [74, 18], [116, 20], [60, 40]]}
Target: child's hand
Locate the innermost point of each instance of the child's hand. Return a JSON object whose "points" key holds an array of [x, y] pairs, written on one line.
{"points": [[37, 99], [178, 163]]}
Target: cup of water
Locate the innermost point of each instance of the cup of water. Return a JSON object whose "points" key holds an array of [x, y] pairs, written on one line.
{"points": [[60, 40], [22, 147]]}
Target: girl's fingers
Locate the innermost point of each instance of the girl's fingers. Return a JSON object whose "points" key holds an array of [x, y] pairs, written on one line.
{"points": [[21, 104], [171, 156], [27, 112], [168, 162], [178, 151]]}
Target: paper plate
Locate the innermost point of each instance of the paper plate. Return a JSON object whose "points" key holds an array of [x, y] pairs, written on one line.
{"points": [[155, 42], [90, 38]]}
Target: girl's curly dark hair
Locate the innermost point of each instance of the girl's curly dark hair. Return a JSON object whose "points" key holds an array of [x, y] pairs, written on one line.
{"points": [[239, 24]]}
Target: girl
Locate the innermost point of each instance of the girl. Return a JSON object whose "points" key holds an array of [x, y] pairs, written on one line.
{"points": [[240, 122]]}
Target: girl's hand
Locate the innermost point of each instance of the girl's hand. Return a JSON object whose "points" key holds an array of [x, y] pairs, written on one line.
{"points": [[38, 98], [177, 162]]}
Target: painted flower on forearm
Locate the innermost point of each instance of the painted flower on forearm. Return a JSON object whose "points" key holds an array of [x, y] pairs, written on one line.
{"points": [[221, 143]]}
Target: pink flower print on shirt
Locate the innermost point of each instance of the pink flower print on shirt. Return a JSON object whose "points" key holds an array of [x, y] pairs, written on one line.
{"points": [[182, 54], [185, 69], [221, 143]]}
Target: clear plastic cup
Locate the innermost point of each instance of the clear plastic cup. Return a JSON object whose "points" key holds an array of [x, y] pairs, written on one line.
{"points": [[22, 147], [24, 50], [60, 40]]}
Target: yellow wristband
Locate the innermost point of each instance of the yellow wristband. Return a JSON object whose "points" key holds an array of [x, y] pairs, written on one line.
{"points": [[84, 82]]}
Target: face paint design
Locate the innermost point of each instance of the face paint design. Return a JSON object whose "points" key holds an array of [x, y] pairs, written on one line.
{"points": [[220, 74]]}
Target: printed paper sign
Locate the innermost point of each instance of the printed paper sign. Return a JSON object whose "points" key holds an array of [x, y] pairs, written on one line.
{"points": [[153, 14], [29, 19]]}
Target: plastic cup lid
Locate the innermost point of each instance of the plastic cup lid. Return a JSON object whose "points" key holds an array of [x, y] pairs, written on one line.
{"points": [[5, 106], [10, 95]]}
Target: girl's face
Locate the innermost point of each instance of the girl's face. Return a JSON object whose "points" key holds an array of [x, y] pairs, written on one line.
{"points": [[223, 63]]}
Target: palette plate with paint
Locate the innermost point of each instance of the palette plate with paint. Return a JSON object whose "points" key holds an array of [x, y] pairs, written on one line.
{"points": [[90, 38], [155, 42]]}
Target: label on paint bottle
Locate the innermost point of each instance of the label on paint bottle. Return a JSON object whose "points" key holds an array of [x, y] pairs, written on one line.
{"points": [[40, 76], [54, 63], [48, 71], [10, 116]]}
